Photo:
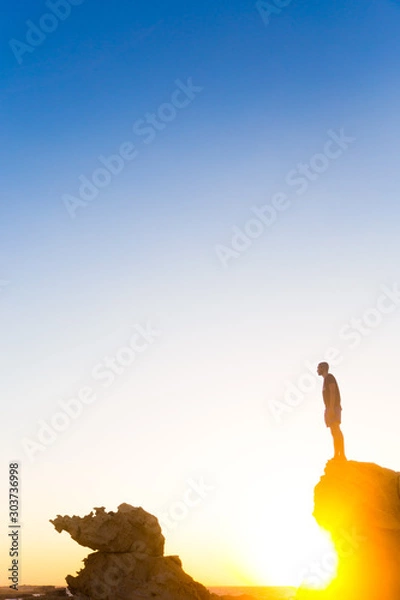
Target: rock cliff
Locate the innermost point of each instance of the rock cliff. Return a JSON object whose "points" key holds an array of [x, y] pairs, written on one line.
{"points": [[359, 505]]}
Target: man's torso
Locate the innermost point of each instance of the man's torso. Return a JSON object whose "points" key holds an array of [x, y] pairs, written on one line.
{"points": [[326, 391]]}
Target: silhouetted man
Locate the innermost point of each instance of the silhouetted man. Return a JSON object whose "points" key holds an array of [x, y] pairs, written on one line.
{"points": [[333, 409]]}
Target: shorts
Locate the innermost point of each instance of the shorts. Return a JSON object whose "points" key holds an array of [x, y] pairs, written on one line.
{"points": [[336, 417]]}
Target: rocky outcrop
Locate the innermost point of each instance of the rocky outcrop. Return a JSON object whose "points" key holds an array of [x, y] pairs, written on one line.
{"points": [[359, 505], [127, 530], [129, 563]]}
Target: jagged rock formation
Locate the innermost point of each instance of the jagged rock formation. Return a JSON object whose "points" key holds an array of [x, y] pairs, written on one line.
{"points": [[127, 530], [129, 563], [359, 504]]}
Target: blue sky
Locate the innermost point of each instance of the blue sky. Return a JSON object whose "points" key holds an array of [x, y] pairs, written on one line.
{"points": [[144, 249]]}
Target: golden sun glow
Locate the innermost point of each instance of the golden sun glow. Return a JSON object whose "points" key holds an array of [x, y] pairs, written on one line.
{"points": [[276, 540], [305, 557]]}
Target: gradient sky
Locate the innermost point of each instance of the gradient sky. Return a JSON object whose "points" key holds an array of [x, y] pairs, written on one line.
{"points": [[196, 404]]}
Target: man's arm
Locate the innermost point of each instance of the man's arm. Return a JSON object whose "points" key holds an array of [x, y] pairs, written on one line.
{"points": [[332, 392]]}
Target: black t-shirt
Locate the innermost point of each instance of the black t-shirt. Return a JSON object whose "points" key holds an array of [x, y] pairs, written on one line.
{"points": [[328, 381]]}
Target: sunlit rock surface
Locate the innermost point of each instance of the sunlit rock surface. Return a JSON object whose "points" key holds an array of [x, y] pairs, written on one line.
{"points": [[122, 531], [129, 564], [359, 505]]}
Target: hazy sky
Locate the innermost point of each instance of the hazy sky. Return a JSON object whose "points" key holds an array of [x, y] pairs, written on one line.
{"points": [[198, 200]]}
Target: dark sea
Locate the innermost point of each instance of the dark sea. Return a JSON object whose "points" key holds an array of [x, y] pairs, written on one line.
{"points": [[258, 593]]}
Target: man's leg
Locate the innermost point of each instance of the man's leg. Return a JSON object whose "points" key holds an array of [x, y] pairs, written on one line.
{"points": [[335, 440], [338, 441]]}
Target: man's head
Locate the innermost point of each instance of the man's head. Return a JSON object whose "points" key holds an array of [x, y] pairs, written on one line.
{"points": [[323, 369]]}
